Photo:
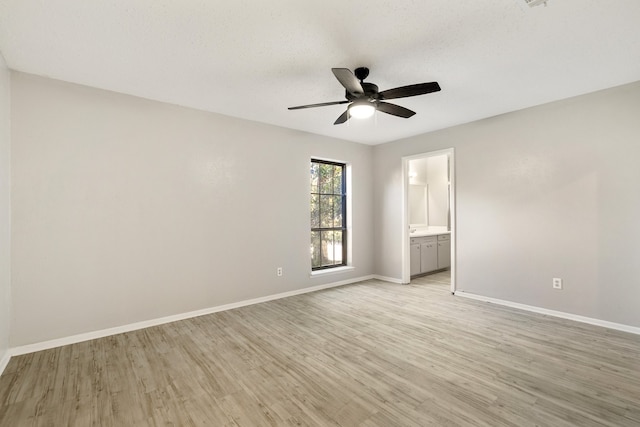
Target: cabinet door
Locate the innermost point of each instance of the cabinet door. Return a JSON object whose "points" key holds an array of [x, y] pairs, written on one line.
{"points": [[444, 254], [428, 257], [415, 259]]}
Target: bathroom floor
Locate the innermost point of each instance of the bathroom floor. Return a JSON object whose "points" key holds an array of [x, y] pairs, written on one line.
{"points": [[442, 278]]}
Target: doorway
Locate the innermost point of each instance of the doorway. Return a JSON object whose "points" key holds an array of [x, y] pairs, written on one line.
{"points": [[428, 205]]}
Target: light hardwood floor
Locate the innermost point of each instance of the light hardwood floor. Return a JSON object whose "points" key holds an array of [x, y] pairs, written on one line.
{"points": [[368, 354]]}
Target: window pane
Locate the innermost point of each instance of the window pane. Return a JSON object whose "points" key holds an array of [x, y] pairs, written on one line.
{"points": [[327, 247], [337, 180], [315, 249], [326, 211], [315, 170], [337, 211], [326, 178], [337, 247], [315, 211]]}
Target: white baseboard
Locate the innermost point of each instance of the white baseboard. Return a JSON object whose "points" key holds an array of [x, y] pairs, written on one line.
{"points": [[554, 313], [46, 345], [4, 360], [387, 279]]}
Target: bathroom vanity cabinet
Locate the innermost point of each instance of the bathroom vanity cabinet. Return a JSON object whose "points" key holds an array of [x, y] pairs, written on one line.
{"points": [[430, 253]]}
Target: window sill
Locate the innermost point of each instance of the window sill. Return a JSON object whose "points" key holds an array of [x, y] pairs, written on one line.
{"points": [[330, 271]]}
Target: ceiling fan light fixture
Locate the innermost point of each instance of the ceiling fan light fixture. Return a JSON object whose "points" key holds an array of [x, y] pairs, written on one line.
{"points": [[361, 109]]}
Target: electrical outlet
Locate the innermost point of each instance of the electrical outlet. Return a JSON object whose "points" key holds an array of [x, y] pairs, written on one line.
{"points": [[279, 271], [557, 283]]}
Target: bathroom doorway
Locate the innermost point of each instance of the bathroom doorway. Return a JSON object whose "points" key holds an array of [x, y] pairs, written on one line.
{"points": [[428, 213]]}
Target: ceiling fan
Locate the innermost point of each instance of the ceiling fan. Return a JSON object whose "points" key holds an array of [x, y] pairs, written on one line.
{"points": [[364, 98]]}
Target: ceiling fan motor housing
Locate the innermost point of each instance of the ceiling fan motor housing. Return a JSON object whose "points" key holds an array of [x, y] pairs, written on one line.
{"points": [[370, 92]]}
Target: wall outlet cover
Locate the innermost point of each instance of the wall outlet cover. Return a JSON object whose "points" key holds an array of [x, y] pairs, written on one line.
{"points": [[557, 283]]}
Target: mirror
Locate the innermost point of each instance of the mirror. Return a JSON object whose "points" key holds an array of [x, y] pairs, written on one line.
{"points": [[418, 204], [429, 192]]}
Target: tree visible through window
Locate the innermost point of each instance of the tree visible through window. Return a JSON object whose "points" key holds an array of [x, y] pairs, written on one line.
{"points": [[328, 215]]}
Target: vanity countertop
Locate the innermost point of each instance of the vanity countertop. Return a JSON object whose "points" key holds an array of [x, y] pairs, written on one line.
{"points": [[422, 232]]}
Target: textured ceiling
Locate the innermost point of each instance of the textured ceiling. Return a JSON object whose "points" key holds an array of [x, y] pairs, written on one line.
{"points": [[253, 59]]}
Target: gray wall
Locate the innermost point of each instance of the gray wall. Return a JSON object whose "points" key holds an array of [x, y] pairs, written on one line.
{"points": [[127, 210], [5, 209], [550, 191]]}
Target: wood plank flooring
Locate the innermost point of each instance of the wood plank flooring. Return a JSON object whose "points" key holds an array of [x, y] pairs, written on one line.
{"points": [[367, 354]]}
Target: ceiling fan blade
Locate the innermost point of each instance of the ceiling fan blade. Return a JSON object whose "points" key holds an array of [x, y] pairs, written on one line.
{"points": [[411, 90], [322, 104], [395, 110], [343, 118], [348, 80]]}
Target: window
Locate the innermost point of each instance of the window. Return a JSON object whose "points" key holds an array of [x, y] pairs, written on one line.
{"points": [[328, 215]]}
